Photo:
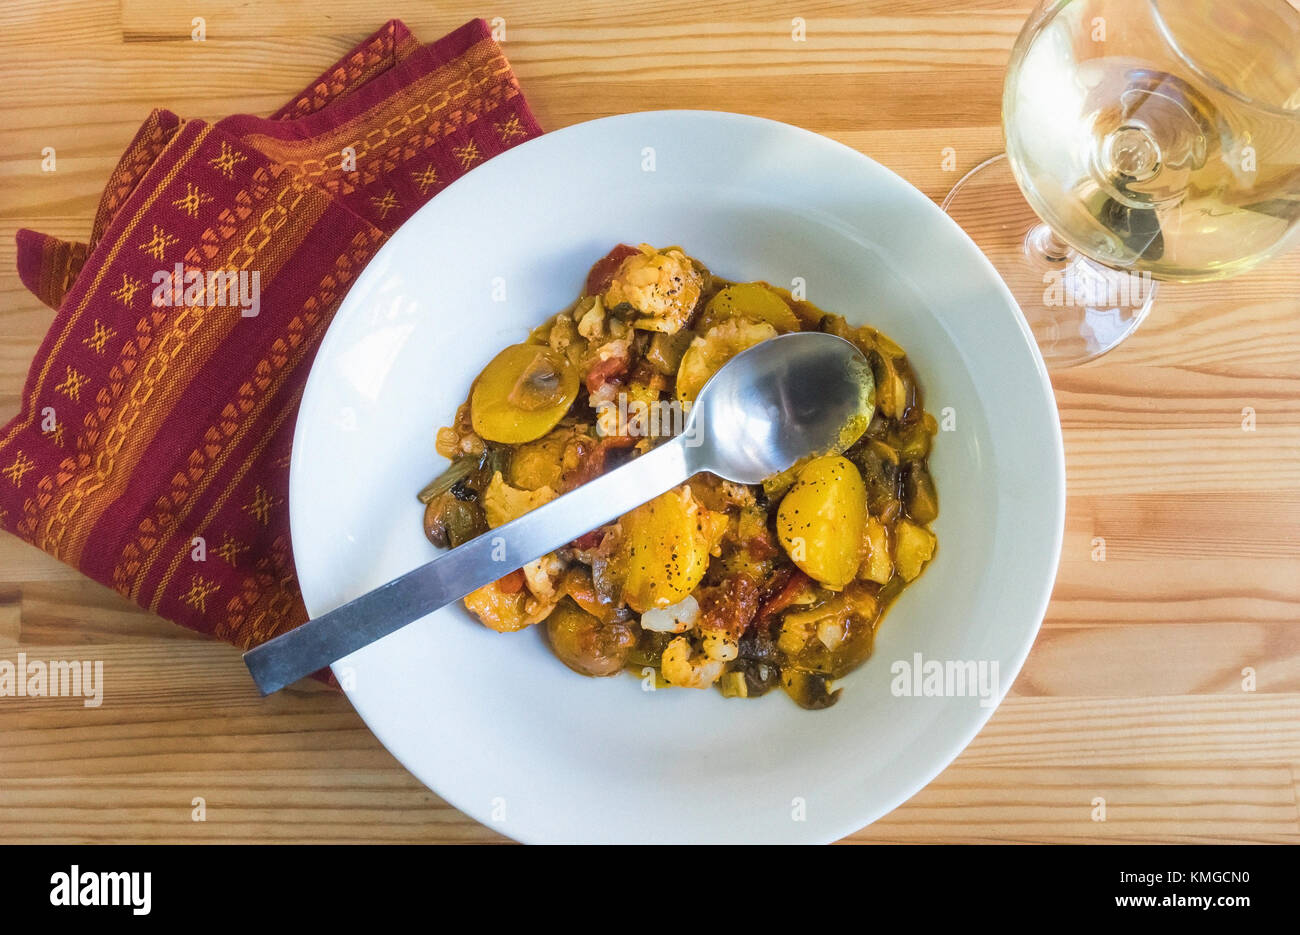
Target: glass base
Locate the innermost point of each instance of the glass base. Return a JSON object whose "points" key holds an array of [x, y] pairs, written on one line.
{"points": [[1077, 308]]}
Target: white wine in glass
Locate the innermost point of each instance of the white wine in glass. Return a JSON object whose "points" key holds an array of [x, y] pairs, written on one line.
{"points": [[1146, 140]]}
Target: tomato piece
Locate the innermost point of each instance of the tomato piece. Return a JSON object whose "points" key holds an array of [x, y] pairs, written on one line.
{"points": [[782, 592], [603, 270], [610, 370], [761, 546], [729, 606], [589, 540], [512, 583], [590, 466]]}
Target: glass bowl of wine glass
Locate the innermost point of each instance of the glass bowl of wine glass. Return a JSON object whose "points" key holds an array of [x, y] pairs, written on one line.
{"points": [[1146, 140]]}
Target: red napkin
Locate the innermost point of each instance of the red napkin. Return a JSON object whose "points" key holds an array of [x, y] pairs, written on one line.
{"points": [[152, 448]]}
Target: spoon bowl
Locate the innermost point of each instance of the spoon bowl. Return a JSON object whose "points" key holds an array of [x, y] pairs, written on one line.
{"points": [[782, 400]]}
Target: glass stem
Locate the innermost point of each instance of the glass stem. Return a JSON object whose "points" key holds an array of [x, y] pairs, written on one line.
{"points": [[1043, 245]]}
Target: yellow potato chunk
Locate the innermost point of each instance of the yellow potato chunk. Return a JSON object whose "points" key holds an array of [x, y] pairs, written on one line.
{"points": [[522, 394], [913, 548], [665, 549], [876, 565], [707, 354], [753, 300], [820, 522]]}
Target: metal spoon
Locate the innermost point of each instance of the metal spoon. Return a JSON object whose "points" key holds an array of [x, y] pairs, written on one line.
{"points": [[782, 400]]}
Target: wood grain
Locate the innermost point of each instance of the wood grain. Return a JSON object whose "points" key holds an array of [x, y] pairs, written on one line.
{"points": [[1134, 691]]}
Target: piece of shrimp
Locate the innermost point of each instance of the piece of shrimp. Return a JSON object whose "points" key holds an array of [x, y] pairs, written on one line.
{"points": [[664, 287], [681, 665], [507, 611]]}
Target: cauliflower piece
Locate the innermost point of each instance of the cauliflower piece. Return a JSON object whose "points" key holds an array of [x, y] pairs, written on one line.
{"points": [[502, 503], [563, 332], [707, 354], [676, 618], [684, 667], [663, 287], [718, 644], [592, 323], [543, 577]]}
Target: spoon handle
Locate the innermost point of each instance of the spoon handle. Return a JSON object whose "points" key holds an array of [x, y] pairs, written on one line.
{"points": [[329, 637]]}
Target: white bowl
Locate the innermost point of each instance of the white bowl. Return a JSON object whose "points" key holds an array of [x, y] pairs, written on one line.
{"points": [[494, 723]]}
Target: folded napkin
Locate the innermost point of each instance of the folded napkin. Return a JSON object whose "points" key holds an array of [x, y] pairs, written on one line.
{"points": [[151, 451]]}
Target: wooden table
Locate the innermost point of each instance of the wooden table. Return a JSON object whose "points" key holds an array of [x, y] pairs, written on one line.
{"points": [[1134, 691]]}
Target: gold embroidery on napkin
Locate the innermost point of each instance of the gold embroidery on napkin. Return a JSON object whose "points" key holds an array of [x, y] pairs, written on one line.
{"points": [[425, 179], [230, 550], [467, 154], [193, 199], [55, 434], [200, 589], [100, 335], [227, 160], [156, 246], [72, 383], [511, 129], [126, 292], [385, 203], [18, 470]]}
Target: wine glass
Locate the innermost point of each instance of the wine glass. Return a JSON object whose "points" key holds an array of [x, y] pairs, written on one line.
{"points": [[1145, 140]]}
